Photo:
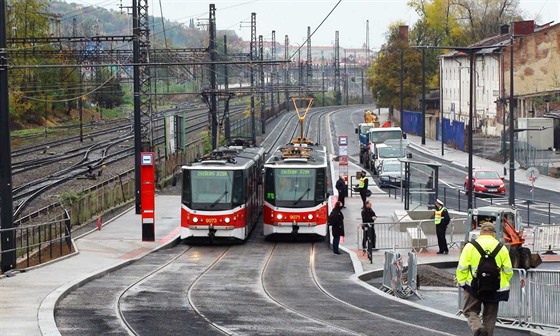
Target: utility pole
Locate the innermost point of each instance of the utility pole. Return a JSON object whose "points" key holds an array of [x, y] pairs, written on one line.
{"points": [[286, 71], [226, 67], [142, 87], [213, 80], [253, 56], [79, 70], [273, 72], [7, 235], [227, 134], [346, 76], [309, 74], [323, 75], [362, 72], [423, 96], [401, 93], [511, 128], [470, 130], [367, 45], [337, 94], [261, 74]]}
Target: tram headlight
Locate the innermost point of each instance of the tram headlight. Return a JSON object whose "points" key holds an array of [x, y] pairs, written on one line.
{"points": [[279, 216], [310, 216], [195, 219], [226, 219]]}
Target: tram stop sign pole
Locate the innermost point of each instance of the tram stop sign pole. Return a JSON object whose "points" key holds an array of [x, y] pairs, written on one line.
{"points": [[147, 195], [532, 175], [343, 156]]}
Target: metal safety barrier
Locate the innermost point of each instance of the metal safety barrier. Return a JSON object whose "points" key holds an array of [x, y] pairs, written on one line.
{"points": [[515, 309], [412, 273], [393, 275], [547, 238], [417, 235], [534, 299], [544, 298]]}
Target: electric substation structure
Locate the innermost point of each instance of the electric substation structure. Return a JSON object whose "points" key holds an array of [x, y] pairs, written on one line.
{"points": [[337, 93]]}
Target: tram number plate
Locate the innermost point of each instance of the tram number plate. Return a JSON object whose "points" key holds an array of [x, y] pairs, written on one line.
{"points": [[211, 220], [295, 217]]}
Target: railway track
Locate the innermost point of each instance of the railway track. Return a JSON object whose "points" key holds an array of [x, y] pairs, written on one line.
{"points": [[94, 156]]}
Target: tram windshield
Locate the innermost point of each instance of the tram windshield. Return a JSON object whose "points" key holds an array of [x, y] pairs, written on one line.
{"points": [[212, 189], [295, 187]]}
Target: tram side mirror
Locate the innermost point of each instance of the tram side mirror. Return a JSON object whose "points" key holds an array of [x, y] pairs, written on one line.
{"points": [[356, 130], [374, 156], [174, 180], [327, 195], [404, 135]]}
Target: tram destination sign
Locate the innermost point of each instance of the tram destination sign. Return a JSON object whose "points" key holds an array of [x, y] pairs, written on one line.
{"points": [[299, 172]]}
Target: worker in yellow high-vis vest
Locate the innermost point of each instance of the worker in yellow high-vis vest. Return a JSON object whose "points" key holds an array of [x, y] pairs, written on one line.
{"points": [[441, 220], [487, 293]]}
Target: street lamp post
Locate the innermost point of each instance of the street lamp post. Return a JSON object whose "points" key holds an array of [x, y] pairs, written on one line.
{"points": [[470, 131], [511, 132]]}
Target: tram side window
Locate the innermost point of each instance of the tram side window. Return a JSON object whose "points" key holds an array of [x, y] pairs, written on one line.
{"points": [[320, 185], [269, 186], [238, 196], [187, 193]]}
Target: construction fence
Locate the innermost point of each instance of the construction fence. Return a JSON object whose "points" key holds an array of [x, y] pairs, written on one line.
{"points": [[393, 275], [547, 239], [534, 299]]}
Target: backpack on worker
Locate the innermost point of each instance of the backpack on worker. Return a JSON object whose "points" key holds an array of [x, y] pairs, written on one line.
{"points": [[486, 281]]}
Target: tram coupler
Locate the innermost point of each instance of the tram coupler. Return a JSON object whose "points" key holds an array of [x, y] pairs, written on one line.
{"points": [[212, 232], [295, 228]]}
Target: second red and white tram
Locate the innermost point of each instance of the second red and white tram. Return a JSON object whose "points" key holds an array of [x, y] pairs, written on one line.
{"points": [[296, 197], [222, 193]]}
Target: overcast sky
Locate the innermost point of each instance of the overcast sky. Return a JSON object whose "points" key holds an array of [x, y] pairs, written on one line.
{"points": [[292, 17]]}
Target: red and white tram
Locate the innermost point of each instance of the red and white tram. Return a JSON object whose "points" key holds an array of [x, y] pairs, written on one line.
{"points": [[296, 190], [222, 193]]}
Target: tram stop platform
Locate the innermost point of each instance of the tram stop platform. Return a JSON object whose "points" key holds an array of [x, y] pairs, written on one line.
{"points": [[28, 299]]}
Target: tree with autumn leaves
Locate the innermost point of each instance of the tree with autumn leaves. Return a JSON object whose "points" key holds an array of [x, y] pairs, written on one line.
{"points": [[441, 23]]}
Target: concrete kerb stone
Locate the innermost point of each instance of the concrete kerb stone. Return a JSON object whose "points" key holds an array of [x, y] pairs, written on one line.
{"points": [[45, 316]]}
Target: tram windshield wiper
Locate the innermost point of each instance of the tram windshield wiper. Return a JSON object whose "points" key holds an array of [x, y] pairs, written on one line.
{"points": [[219, 199], [302, 196]]}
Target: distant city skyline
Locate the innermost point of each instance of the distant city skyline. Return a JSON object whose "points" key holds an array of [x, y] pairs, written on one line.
{"points": [[292, 18]]}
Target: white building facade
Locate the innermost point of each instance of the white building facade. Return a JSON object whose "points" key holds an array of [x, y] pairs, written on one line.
{"points": [[455, 90]]}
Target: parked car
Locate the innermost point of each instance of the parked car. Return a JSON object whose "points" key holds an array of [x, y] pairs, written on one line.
{"points": [[486, 181], [390, 172]]}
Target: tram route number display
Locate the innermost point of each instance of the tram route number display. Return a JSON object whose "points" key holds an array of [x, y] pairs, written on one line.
{"points": [[209, 173], [299, 172]]}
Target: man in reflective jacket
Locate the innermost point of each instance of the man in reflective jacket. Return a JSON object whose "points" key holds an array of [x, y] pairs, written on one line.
{"points": [[468, 264], [441, 220]]}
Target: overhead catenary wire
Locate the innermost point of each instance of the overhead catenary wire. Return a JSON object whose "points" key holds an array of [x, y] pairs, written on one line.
{"points": [[319, 26]]}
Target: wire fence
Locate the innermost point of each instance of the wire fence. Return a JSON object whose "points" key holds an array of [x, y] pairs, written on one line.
{"points": [[534, 299]]}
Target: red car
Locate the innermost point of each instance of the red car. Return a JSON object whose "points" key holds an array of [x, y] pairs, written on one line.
{"points": [[487, 182]]}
